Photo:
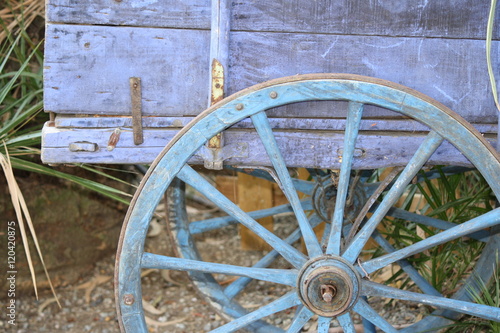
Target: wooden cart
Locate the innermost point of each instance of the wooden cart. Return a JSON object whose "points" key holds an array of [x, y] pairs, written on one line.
{"points": [[126, 81]]}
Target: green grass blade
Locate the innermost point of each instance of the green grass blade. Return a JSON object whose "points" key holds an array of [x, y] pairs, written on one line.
{"points": [[105, 190]]}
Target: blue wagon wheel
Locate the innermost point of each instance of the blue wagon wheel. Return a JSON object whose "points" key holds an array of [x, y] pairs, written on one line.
{"points": [[328, 281]]}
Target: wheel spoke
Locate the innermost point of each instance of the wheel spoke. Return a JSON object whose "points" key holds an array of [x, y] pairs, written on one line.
{"points": [[346, 323], [287, 301], [416, 277], [399, 213], [423, 153], [265, 132], [198, 227], [191, 177], [366, 311], [351, 134], [483, 311], [281, 276], [324, 324], [300, 320], [237, 286], [326, 234], [482, 222]]}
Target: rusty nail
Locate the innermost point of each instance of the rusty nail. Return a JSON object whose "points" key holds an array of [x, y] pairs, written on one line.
{"points": [[328, 292], [273, 94], [128, 299], [239, 106]]}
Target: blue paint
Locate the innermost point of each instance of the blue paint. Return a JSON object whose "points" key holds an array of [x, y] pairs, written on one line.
{"points": [[300, 320], [429, 146], [351, 134], [346, 323], [486, 220], [367, 312], [324, 324], [289, 300], [197, 227], [172, 163], [479, 310], [265, 132], [150, 260], [189, 176], [237, 286], [415, 276]]}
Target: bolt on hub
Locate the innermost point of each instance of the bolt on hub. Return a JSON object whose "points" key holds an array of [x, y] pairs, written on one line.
{"points": [[329, 286]]}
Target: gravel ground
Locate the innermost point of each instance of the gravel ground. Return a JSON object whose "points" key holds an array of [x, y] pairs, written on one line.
{"points": [[174, 305]]}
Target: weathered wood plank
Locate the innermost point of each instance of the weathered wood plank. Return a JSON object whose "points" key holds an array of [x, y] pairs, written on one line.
{"points": [[451, 71], [320, 149], [444, 18], [194, 14], [441, 18], [87, 68], [322, 124]]}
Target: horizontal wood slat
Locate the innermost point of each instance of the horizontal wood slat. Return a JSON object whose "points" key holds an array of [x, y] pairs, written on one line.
{"points": [[424, 18], [319, 149], [87, 68], [320, 124]]}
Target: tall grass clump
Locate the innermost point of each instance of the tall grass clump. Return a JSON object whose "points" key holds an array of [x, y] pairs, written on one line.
{"points": [[22, 117], [454, 197]]}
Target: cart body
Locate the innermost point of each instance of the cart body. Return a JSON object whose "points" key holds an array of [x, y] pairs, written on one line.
{"points": [[96, 50]]}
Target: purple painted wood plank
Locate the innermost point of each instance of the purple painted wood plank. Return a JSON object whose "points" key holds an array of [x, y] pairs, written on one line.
{"points": [[87, 69], [333, 124], [447, 19], [446, 70], [151, 13], [300, 149]]}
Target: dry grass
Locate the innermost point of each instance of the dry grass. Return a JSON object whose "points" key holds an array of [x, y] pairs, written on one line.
{"points": [[21, 210], [18, 15]]}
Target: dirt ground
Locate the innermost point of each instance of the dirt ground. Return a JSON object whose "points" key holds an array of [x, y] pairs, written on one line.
{"points": [[170, 300]]}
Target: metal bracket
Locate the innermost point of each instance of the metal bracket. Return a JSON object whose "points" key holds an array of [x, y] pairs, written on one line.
{"points": [[83, 146], [136, 96], [216, 95], [219, 55], [215, 146], [213, 158]]}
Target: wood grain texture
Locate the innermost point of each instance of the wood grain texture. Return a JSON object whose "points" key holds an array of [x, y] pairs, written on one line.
{"points": [[450, 71], [87, 68], [151, 13], [300, 149], [329, 124], [443, 18]]}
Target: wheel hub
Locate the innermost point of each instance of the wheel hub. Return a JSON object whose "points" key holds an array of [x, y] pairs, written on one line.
{"points": [[328, 286]]}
